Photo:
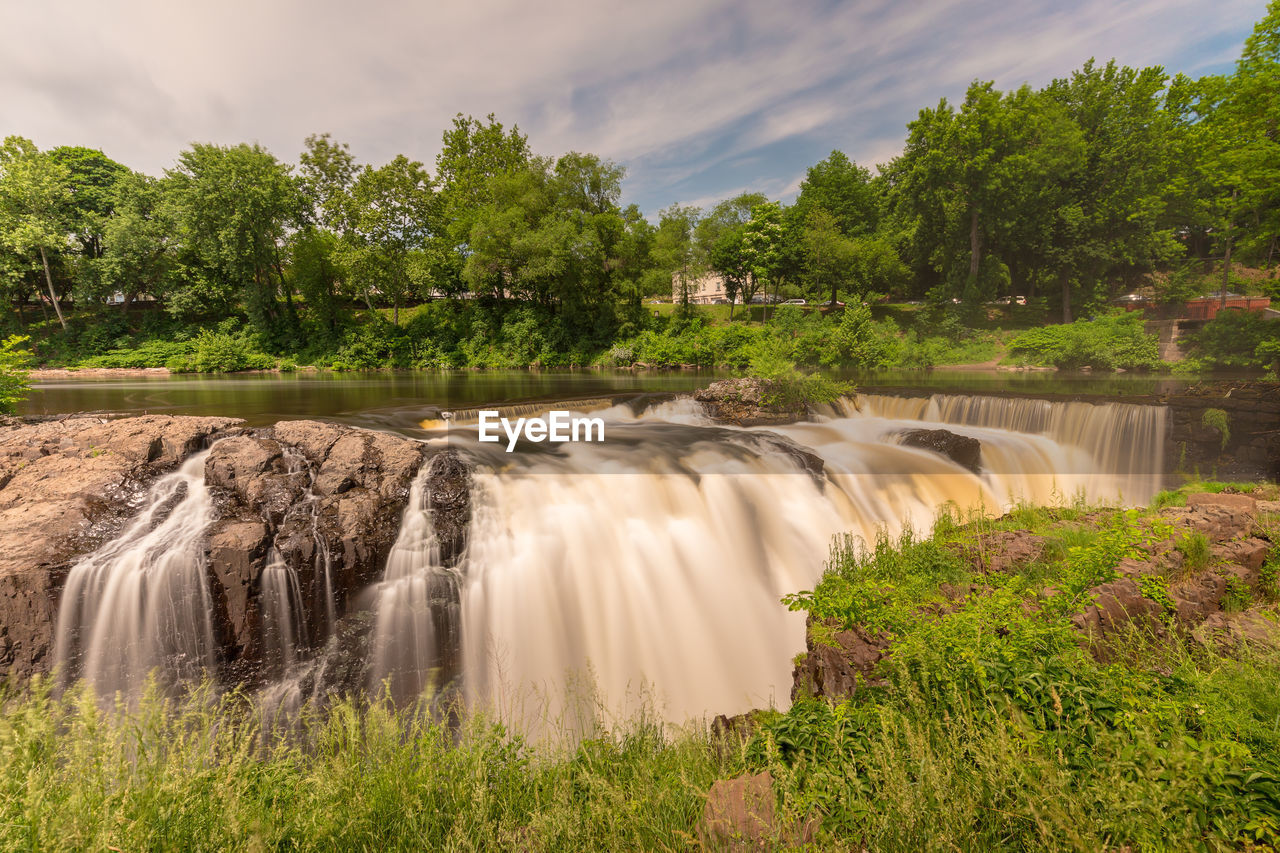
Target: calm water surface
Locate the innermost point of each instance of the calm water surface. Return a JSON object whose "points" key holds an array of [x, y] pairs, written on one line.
{"points": [[400, 398]]}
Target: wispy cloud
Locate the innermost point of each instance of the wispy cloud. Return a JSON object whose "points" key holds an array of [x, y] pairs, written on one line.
{"points": [[699, 100]]}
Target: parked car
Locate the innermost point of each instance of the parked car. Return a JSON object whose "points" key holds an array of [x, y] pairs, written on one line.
{"points": [[795, 302]]}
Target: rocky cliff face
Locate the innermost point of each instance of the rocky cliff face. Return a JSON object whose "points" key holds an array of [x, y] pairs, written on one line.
{"points": [[1250, 447], [324, 499], [67, 486]]}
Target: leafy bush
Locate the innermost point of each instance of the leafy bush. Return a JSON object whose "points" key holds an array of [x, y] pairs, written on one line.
{"points": [[147, 354], [1219, 420], [226, 350], [1115, 340], [13, 372], [789, 387], [1237, 339]]}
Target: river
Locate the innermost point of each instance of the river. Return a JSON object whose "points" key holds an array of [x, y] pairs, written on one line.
{"points": [[644, 571]]}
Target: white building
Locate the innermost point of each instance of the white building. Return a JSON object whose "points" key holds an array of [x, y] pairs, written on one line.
{"points": [[704, 290]]}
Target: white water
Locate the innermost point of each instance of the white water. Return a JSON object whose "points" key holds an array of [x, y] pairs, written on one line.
{"points": [[142, 602], [416, 609], [644, 570], [648, 569]]}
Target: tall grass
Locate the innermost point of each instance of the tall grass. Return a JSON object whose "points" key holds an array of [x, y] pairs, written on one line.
{"points": [[199, 774]]}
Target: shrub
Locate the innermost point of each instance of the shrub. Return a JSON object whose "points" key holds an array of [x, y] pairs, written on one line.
{"points": [[13, 373], [147, 354], [1218, 420], [1194, 546], [1115, 340], [790, 388], [1237, 339]]}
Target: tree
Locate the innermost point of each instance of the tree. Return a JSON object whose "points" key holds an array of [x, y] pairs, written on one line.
{"points": [[326, 171], [844, 190], [391, 217], [13, 373], [34, 197], [235, 205], [1106, 197], [828, 254], [92, 178], [140, 239], [761, 247], [553, 235], [472, 155], [721, 239], [677, 263]]}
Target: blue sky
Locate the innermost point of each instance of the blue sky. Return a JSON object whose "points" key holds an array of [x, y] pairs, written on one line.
{"points": [[699, 100]]}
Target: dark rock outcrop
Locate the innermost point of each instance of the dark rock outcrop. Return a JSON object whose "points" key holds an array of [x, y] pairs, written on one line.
{"points": [[66, 486], [449, 496], [325, 499], [747, 402], [836, 661], [1189, 599], [1250, 450], [960, 449]]}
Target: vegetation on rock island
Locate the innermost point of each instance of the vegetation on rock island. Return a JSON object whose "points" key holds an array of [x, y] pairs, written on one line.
{"points": [[994, 714], [1002, 211]]}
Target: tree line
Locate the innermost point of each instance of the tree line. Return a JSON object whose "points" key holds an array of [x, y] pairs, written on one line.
{"points": [[1068, 194]]}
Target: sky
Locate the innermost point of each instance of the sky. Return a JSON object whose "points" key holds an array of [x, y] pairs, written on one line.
{"points": [[699, 99]]}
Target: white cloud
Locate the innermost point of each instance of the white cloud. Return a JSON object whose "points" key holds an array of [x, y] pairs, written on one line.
{"points": [[679, 91]]}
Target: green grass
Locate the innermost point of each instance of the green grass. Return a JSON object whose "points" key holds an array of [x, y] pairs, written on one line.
{"points": [[990, 727]]}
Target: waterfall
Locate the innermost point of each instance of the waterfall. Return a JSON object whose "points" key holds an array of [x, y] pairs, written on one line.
{"points": [[642, 571], [141, 602], [415, 634], [284, 631], [1120, 445]]}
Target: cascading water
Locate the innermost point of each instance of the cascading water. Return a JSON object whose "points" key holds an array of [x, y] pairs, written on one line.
{"points": [[284, 631], [1119, 447], [646, 569], [415, 635], [142, 602]]}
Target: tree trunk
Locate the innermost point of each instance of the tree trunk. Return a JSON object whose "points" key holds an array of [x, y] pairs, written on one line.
{"points": [[975, 247], [53, 297], [1066, 296], [1226, 257]]}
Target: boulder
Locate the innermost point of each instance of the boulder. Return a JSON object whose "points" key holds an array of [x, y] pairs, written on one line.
{"points": [[745, 401], [739, 814], [834, 667], [960, 449], [67, 486], [449, 497], [1002, 550]]}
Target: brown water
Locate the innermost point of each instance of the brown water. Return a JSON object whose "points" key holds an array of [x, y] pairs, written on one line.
{"points": [[401, 399]]}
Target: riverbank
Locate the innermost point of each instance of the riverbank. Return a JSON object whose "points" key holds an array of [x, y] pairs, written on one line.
{"points": [[996, 699]]}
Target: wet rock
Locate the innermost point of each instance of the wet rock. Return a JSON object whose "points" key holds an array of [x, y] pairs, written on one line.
{"points": [[960, 449], [746, 401], [449, 496], [307, 492], [834, 667], [764, 443], [66, 486]]}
